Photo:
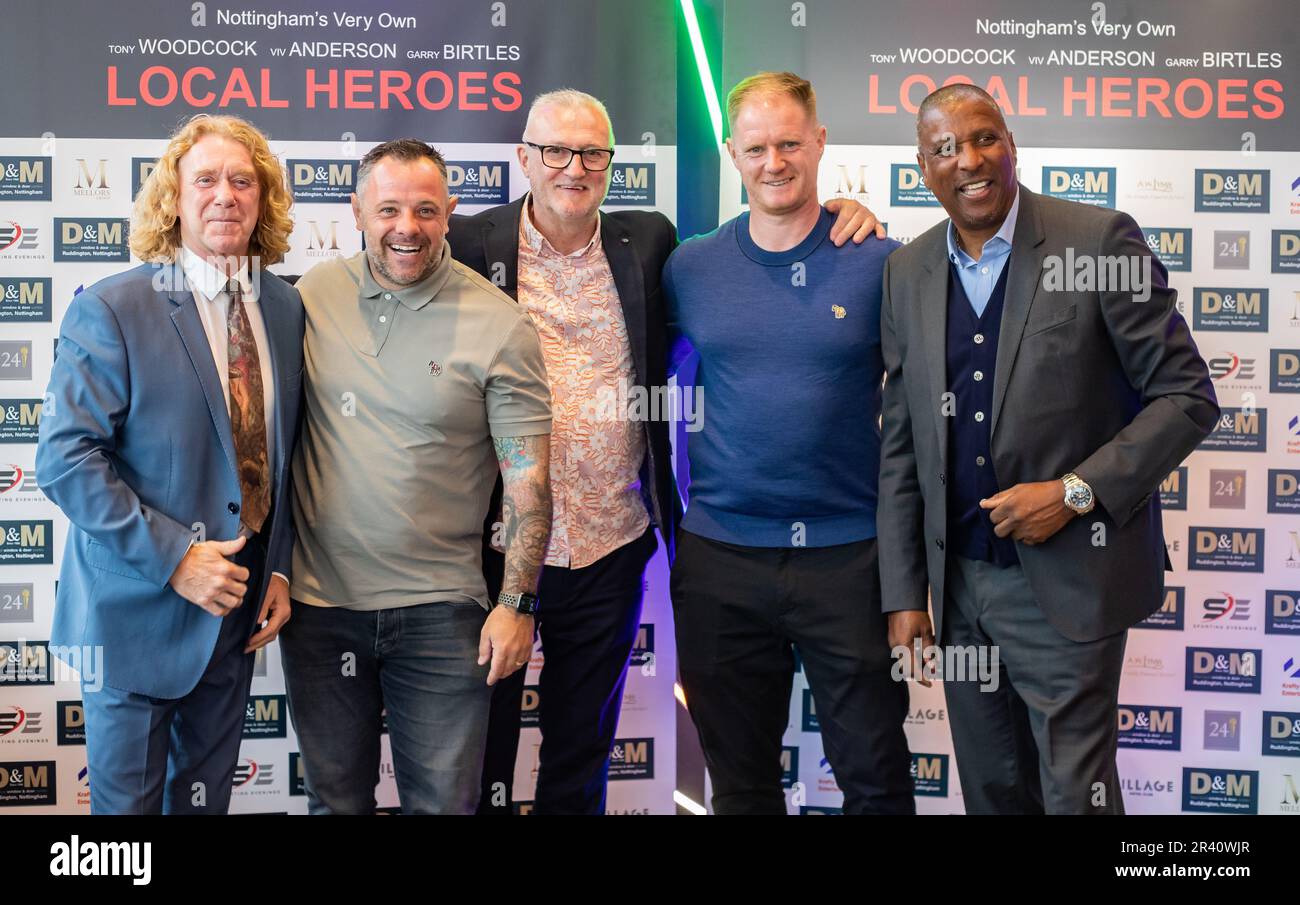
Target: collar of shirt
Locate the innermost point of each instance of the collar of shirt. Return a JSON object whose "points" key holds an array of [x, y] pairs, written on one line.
{"points": [[207, 282], [998, 245], [415, 296], [540, 245]]}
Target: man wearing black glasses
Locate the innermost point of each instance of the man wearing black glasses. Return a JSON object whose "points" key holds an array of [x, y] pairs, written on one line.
{"points": [[590, 282]]}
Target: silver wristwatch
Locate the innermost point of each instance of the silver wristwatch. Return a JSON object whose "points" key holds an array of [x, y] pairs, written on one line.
{"points": [[1078, 495]]}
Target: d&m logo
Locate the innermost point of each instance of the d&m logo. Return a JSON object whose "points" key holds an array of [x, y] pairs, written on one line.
{"points": [[1232, 191], [632, 758], [631, 184], [1145, 726], [15, 359], [26, 300], [1170, 614], [27, 783], [315, 180], [141, 169], [1284, 491], [1225, 611], [1220, 791], [930, 775], [1222, 730], [1239, 430], [1227, 488], [643, 648], [1088, 185], [1173, 489], [16, 602], [25, 663], [264, 716], [19, 242], [91, 239], [1225, 549], [1284, 370], [71, 726], [92, 178], [1280, 613], [25, 178], [19, 725], [1286, 251], [1229, 309], [27, 542], [20, 420], [789, 765], [907, 188], [485, 181], [297, 778], [809, 721], [530, 713], [810, 811], [1172, 245], [1281, 733], [1222, 669]]}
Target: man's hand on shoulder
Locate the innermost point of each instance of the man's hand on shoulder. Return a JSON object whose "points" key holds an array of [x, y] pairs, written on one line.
{"points": [[853, 220]]}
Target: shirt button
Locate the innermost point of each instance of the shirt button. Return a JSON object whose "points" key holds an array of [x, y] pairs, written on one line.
{"points": [[979, 416], [979, 375], [388, 295], [979, 338], [979, 460], [984, 270], [383, 318], [233, 507], [938, 543]]}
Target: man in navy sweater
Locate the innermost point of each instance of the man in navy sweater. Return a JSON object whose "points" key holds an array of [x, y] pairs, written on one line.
{"points": [[777, 548]]}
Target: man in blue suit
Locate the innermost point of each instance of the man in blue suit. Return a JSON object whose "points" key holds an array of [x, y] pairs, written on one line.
{"points": [[166, 438]]}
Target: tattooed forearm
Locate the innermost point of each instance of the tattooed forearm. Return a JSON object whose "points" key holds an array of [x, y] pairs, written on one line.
{"points": [[525, 508]]}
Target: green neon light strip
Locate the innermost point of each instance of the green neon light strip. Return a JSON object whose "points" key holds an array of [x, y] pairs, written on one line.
{"points": [[702, 63]]}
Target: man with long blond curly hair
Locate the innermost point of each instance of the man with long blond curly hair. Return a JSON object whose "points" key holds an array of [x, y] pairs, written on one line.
{"points": [[166, 439]]}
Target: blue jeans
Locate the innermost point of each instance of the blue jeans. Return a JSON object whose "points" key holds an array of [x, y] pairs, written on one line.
{"points": [[344, 667]]}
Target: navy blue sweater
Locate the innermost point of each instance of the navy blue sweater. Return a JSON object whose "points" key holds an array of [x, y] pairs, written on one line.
{"points": [[791, 370]]}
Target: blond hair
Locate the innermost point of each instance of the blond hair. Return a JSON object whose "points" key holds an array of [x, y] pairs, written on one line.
{"points": [[155, 219], [787, 83]]}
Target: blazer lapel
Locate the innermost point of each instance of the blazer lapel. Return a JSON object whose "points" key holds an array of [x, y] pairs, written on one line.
{"points": [[185, 315], [629, 280], [501, 246], [1022, 283], [932, 295]]}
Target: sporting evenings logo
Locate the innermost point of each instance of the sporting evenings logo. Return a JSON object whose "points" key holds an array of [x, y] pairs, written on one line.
{"points": [[1172, 245], [1239, 430], [1230, 309], [1284, 370], [19, 242], [1087, 185], [1232, 191], [1286, 251], [631, 184], [1225, 611], [82, 239], [25, 178], [486, 181], [1280, 613], [1281, 733], [1222, 669], [314, 181], [18, 484], [25, 300], [1230, 367], [1145, 726], [1170, 614], [907, 188], [20, 420], [19, 725], [632, 758], [1206, 789], [27, 542], [253, 777], [930, 775], [1173, 489]]}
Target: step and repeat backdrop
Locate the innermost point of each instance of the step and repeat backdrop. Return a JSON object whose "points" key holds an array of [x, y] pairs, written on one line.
{"points": [[1181, 114], [94, 91]]}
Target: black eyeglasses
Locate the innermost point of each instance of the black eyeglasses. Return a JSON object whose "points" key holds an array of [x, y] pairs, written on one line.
{"points": [[594, 160]]}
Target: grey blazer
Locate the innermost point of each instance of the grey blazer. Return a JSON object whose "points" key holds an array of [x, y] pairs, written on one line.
{"points": [[1086, 381]]}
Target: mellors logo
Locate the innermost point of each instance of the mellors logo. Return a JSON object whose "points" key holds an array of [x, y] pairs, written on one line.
{"points": [[315, 180], [1087, 185], [1232, 191], [1220, 791], [92, 179]]}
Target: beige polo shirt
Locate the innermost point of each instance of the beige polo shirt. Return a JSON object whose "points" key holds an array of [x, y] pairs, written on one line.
{"points": [[403, 393]]}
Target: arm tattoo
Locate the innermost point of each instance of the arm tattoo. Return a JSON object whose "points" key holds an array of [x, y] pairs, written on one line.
{"points": [[525, 508]]}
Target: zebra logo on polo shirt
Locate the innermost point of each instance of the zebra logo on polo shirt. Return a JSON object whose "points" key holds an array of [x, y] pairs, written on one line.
{"points": [[838, 311]]}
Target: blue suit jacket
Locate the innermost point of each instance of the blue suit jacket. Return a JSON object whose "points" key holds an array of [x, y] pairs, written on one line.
{"points": [[136, 449]]}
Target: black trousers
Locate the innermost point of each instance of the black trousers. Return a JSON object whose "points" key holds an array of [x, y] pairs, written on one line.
{"points": [[739, 611], [588, 621]]}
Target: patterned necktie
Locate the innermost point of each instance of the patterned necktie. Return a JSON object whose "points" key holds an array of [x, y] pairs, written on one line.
{"points": [[247, 413]]}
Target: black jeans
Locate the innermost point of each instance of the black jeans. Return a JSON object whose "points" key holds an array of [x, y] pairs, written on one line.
{"points": [[588, 620], [739, 611]]}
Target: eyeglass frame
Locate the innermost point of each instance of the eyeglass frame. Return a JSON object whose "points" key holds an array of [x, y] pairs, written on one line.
{"points": [[573, 152]]}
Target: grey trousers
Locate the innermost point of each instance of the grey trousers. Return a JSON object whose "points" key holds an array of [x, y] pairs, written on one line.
{"points": [[1044, 741]]}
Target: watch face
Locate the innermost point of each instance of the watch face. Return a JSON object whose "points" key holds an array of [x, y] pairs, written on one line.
{"points": [[1080, 496]]}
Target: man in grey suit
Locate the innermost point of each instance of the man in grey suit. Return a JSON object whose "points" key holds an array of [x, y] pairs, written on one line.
{"points": [[1029, 416]]}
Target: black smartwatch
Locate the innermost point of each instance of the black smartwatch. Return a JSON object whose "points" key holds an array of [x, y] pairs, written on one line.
{"points": [[524, 604]]}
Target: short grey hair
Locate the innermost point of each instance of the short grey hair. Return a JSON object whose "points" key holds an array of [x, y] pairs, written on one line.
{"points": [[567, 98]]}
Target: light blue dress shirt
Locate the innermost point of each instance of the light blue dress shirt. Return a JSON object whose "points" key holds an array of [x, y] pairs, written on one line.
{"points": [[979, 277]]}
